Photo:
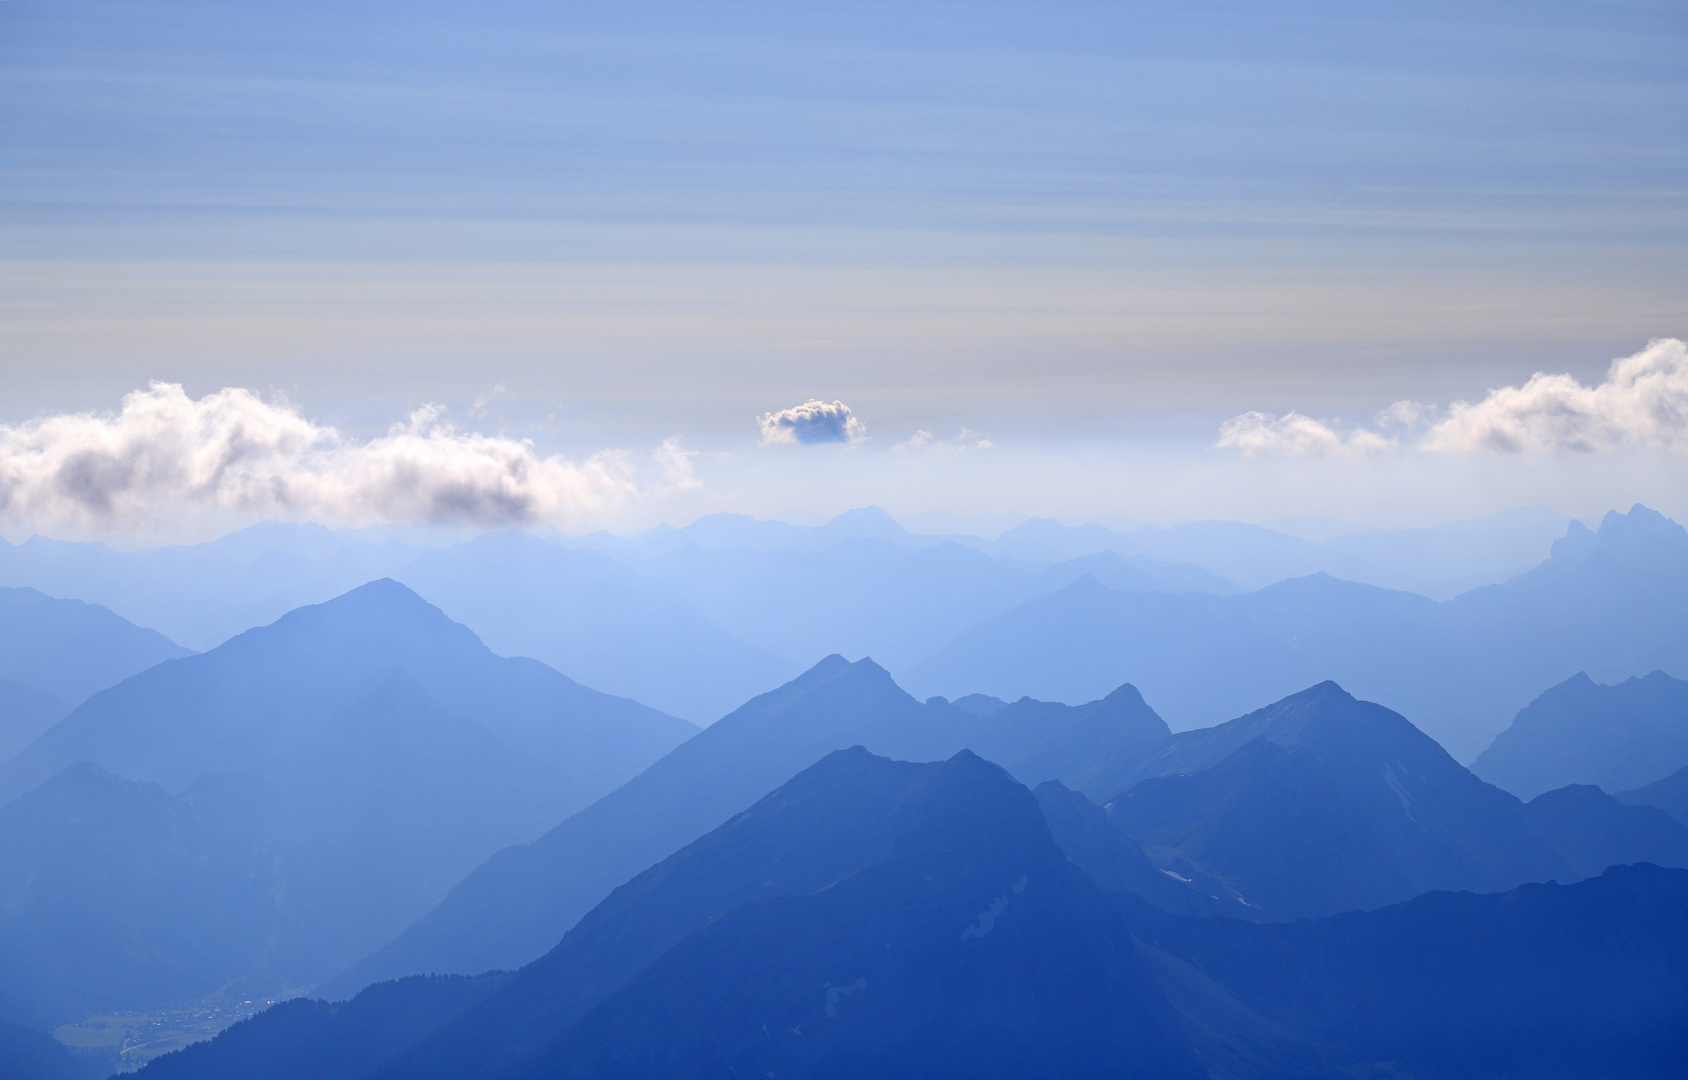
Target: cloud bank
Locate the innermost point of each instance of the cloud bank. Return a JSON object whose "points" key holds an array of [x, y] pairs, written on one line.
{"points": [[1643, 402], [165, 456], [812, 422]]}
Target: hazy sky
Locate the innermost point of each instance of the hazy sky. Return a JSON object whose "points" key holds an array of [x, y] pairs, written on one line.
{"points": [[1088, 234]]}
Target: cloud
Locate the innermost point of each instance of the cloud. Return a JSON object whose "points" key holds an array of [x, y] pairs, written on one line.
{"points": [[812, 422], [1257, 434], [166, 456], [1643, 402], [925, 440]]}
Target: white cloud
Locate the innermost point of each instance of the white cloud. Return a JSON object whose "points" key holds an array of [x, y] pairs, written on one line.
{"points": [[166, 456], [1642, 402], [1257, 434], [812, 422], [967, 439]]}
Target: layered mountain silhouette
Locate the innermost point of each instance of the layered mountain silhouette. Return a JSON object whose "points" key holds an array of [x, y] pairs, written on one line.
{"points": [[521, 901], [1617, 737], [68, 649], [261, 693], [1322, 803], [1612, 603], [939, 930]]}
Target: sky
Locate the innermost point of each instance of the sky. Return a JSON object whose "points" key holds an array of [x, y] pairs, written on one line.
{"points": [[590, 264]]}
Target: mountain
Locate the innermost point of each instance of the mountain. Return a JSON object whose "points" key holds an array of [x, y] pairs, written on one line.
{"points": [[1322, 803], [323, 1041], [116, 895], [1593, 830], [25, 713], [1544, 980], [869, 916], [1579, 732], [1669, 794], [1613, 603], [606, 624], [239, 705], [523, 899], [69, 649]]}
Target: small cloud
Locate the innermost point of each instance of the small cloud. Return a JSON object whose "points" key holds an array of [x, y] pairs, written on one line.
{"points": [[477, 408], [675, 461], [812, 422], [967, 439], [1258, 434]]}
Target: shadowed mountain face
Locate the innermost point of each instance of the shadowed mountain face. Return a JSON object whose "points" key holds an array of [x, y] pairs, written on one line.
{"points": [[1546, 980], [1321, 803], [1614, 737], [69, 649], [520, 902], [1614, 604], [1669, 795], [241, 704]]}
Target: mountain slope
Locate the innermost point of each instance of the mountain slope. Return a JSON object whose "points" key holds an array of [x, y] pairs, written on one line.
{"points": [[606, 624], [521, 901], [70, 649], [251, 698], [1321, 803], [25, 713], [1614, 737], [1594, 831], [116, 895]]}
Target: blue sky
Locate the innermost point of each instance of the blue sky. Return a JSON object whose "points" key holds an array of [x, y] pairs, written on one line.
{"points": [[1092, 233]]}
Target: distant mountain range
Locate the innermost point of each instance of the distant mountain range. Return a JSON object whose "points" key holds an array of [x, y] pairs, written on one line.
{"points": [[940, 931], [1612, 603], [696, 620], [1617, 737]]}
